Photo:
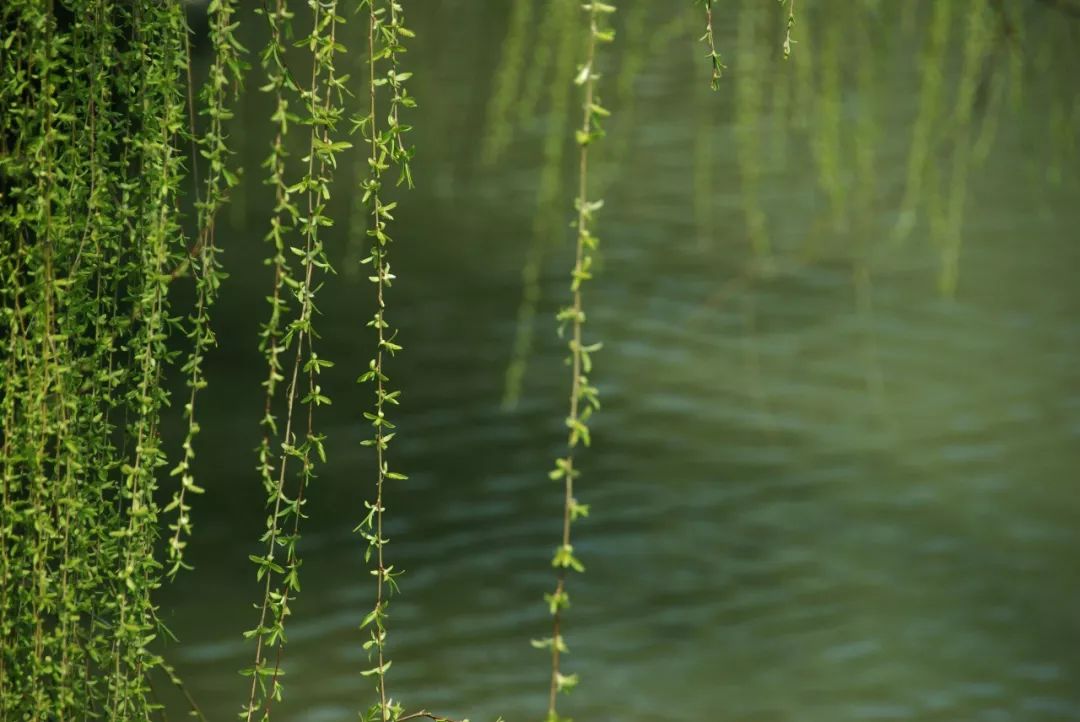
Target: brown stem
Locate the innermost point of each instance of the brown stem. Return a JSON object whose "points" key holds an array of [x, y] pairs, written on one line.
{"points": [[424, 714]]}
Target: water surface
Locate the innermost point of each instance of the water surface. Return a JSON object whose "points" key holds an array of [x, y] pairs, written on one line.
{"points": [[819, 492]]}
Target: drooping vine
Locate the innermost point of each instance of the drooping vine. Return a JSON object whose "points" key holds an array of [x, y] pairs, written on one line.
{"points": [[584, 397], [93, 146], [92, 157], [788, 27], [704, 161], [387, 149], [34, 235], [225, 75], [282, 222], [154, 231], [716, 63], [61, 249], [322, 102]]}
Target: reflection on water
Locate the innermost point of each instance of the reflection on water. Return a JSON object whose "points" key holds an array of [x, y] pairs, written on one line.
{"points": [[821, 490]]}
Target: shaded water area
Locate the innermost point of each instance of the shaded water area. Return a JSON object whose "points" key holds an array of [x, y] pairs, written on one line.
{"points": [[821, 488]]}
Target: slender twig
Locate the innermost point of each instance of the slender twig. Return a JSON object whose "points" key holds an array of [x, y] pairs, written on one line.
{"points": [[583, 396], [715, 60], [380, 443], [424, 714], [788, 42], [321, 122], [193, 706]]}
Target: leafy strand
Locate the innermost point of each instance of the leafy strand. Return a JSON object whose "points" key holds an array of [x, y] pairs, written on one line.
{"points": [[715, 61], [790, 25], [225, 70], [323, 112], [270, 343], [386, 146], [38, 350], [160, 243], [584, 398]]}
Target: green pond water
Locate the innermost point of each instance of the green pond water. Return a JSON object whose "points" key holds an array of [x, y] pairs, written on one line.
{"points": [[819, 492]]}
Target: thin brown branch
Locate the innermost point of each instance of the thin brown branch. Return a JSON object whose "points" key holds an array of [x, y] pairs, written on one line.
{"points": [[193, 706], [425, 714]]}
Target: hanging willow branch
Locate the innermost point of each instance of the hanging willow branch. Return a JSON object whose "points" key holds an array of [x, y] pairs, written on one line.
{"points": [[386, 148], [584, 398], [788, 42], [322, 101], [154, 231], [91, 156], [715, 61], [225, 71], [282, 221]]}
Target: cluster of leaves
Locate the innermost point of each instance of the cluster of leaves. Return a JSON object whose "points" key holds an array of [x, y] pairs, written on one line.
{"points": [[92, 157], [584, 398], [299, 214]]}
